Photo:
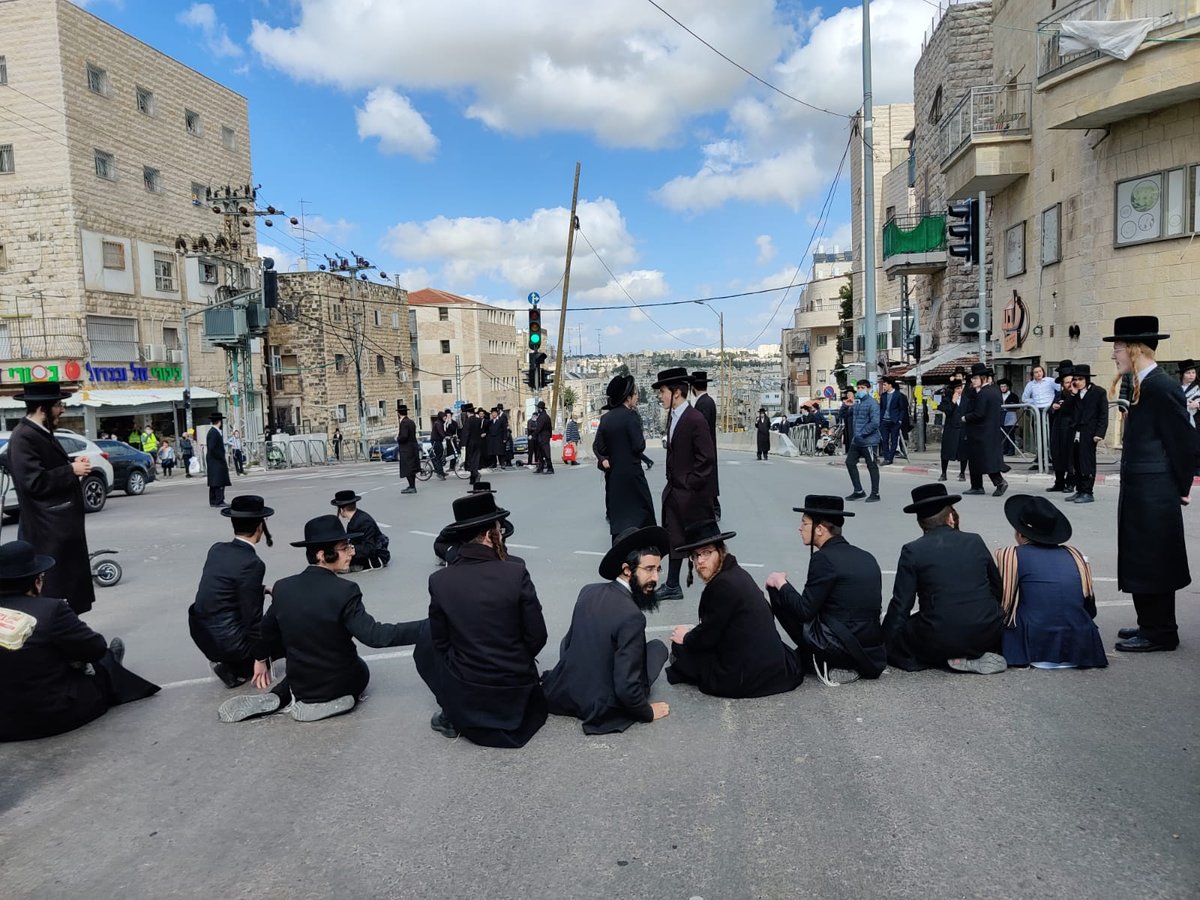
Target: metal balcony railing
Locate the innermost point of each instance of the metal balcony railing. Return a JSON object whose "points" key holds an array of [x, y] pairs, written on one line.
{"points": [[41, 339], [1168, 14], [991, 109], [914, 234]]}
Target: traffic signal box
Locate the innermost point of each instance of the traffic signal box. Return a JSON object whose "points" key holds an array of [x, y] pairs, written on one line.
{"points": [[535, 328], [964, 235]]}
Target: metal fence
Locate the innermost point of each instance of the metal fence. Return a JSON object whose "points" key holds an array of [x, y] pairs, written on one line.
{"points": [[990, 109], [1052, 60]]}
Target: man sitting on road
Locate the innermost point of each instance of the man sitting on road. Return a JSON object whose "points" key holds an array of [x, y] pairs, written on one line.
{"points": [[606, 665], [313, 620], [225, 620], [448, 542], [959, 623], [835, 621], [371, 545], [735, 651]]}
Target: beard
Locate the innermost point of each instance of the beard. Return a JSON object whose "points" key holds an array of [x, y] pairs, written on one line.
{"points": [[646, 602]]}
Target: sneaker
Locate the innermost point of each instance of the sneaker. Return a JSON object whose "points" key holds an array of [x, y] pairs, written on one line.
{"points": [[1000, 489], [442, 725], [248, 706], [668, 592], [857, 495], [315, 712], [117, 646], [874, 498], [1085, 498], [988, 664], [843, 676]]}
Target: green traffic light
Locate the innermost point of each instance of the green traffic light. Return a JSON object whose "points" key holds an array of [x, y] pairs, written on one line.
{"points": [[535, 338]]}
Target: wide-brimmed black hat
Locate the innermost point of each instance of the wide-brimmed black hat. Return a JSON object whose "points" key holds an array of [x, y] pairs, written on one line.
{"points": [[701, 534], [19, 560], [672, 378], [700, 380], [481, 487], [216, 417], [1066, 367], [345, 498], [1138, 330], [980, 369], [402, 409], [619, 390], [929, 498], [473, 512], [541, 404], [1082, 370], [627, 542], [247, 506], [1186, 364], [325, 530], [42, 392], [825, 507], [467, 408], [1037, 519]]}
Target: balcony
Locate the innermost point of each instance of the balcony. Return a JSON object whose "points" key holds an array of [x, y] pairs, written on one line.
{"points": [[986, 139], [39, 339], [797, 348], [824, 313], [914, 245], [1084, 88]]}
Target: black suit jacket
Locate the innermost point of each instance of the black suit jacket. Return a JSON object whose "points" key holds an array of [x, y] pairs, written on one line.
{"points": [[313, 620], [373, 541], [984, 421], [226, 618], [691, 462], [707, 407], [601, 674], [214, 458], [1090, 414]]}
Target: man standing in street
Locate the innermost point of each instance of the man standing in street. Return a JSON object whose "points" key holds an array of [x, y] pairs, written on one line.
{"points": [[473, 440], [893, 417], [984, 421], [150, 444], [864, 441], [50, 497], [506, 441], [1062, 434], [707, 407], [619, 446], [214, 458], [407, 449], [437, 444], [187, 449], [1089, 422], [762, 425], [544, 428]]}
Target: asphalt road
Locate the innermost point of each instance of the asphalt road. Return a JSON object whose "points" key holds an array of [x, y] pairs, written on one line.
{"points": [[1026, 784]]}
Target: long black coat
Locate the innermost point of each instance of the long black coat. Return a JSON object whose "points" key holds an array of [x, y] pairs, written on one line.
{"points": [[844, 586], [601, 674], [226, 618], [473, 440], [313, 620], [408, 451], [1062, 433], [373, 543], [707, 407], [52, 512], [691, 464], [214, 458], [954, 445], [621, 442], [1157, 467], [763, 427], [495, 438], [984, 421], [1090, 414], [735, 650]]}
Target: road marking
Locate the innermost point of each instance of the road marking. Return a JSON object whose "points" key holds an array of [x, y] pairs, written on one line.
{"points": [[1114, 602], [752, 565], [585, 552], [383, 524], [522, 546], [187, 682], [424, 533]]}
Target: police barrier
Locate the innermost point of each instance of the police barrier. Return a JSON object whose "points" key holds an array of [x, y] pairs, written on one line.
{"points": [[805, 438]]}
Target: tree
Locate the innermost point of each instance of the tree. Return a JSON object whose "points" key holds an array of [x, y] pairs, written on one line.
{"points": [[569, 398], [846, 331]]}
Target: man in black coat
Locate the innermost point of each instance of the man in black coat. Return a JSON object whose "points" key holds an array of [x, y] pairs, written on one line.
{"points": [[835, 621], [408, 451], [448, 541], [762, 425], [473, 438], [983, 420], [437, 445], [225, 620], [893, 419], [605, 664], [214, 459], [707, 407], [478, 652], [49, 495], [47, 689], [955, 577], [1089, 421], [735, 650], [543, 431], [691, 462], [494, 450], [1062, 437], [620, 445], [506, 441], [313, 620], [371, 545]]}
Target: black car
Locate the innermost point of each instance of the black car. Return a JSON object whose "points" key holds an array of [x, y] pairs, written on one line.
{"points": [[133, 469]]}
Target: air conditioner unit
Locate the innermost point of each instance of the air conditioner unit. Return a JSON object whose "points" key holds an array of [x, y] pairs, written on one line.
{"points": [[154, 352], [403, 377], [970, 321], [339, 414], [174, 356], [372, 412]]}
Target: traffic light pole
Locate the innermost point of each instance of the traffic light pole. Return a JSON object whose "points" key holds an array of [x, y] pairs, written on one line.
{"points": [[870, 351], [981, 215], [562, 313]]}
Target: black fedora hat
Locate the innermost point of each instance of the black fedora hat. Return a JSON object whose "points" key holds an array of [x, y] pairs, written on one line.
{"points": [[467, 408], [1082, 370], [1138, 330], [825, 507], [324, 530], [485, 487], [473, 513], [700, 380], [619, 390], [672, 378], [627, 542], [247, 506], [42, 392], [1066, 367], [402, 409], [216, 417], [1186, 364], [980, 369], [929, 498], [1037, 519], [701, 534], [345, 498], [19, 560]]}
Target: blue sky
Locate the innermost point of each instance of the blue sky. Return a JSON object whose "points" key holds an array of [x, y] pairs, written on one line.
{"points": [[439, 140]]}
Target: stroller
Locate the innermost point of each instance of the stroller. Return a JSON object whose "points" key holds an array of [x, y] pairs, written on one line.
{"points": [[276, 459], [829, 442]]}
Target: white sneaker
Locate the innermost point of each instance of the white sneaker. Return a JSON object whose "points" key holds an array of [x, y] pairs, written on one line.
{"points": [[315, 712], [988, 664], [248, 706]]}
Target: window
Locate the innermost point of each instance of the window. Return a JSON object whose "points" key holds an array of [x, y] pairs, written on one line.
{"points": [[382, 405], [228, 138], [197, 194], [164, 271], [97, 79], [822, 340], [396, 321], [3, 70], [1014, 251], [3, 267], [114, 255], [208, 273], [336, 312], [112, 339], [1151, 207], [447, 386], [445, 346], [443, 314], [145, 101], [935, 108], [340, 414], [1051, 237], [70, 444], [106, 166], [821, 375], [191, 121], [398, 363], [339, 362], [8, 164], [379, 366], [377, 316], [152, 179], [171, 338]]}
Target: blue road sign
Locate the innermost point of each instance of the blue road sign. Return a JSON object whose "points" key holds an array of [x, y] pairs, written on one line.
{"points": [[534, 297], [829, 392]]}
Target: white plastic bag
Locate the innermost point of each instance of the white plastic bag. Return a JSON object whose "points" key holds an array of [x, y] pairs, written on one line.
{"points": [[194, 466]]}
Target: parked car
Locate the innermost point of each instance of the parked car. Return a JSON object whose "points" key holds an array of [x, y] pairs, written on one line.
{"points": [[133, 469], [96, 485], [520, 443]]}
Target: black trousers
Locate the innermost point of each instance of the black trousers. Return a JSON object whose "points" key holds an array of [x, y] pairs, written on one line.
{"points": [[216, 495], [356, 685], [545, 461], [437, 454], [868, 454], [1085, 456], [977, 478], [1156, 617], [793, 625]]}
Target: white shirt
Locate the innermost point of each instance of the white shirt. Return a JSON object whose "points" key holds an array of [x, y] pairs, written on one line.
{"points": [[1146, 371], [1040, 393], [676, 412], [623, 583]]}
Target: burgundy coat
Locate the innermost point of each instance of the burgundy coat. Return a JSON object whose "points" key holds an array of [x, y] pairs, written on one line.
{"points": [[691, 475]]}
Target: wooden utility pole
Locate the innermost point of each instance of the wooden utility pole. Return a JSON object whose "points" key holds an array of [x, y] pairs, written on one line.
{"points": [[562, 312]]}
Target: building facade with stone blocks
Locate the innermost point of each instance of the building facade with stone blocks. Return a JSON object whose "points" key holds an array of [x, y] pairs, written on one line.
{"points": [[330, 333], [106, 149], [469, 351], [810, 345]]}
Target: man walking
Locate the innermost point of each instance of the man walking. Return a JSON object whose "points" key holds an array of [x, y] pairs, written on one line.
{"points": [[214, 458], [407, 449], [473, 439], [893, 417], [620, 445], [985, 435], [1089, 422], [864, 441], [544, 428], [762, 427], [707, 407], [437, 445]]}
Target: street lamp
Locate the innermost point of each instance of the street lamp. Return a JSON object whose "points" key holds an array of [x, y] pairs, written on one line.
{"points": [[724, 393]]}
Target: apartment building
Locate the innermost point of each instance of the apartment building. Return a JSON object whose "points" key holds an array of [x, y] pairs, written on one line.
{"points": [[810, 345], [107, 149]]}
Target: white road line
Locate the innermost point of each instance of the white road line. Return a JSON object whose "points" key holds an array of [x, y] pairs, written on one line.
{"points": [[1114, 602], [187, 683], [586, 552], [521, 546], [656, 629], [383, 524], [752, 565], [424, 533]]}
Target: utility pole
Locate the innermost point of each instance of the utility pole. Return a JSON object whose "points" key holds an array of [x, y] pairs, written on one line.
{"points": [[726, 388], [562, 313], [984, 321], [457, 377], [868, 151], [599, 352], [339, 264]]}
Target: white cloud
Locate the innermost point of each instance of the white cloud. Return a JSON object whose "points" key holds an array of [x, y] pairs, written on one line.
{"points": [[390, 117], [285, 260], [415, 279], [787, 177], [636, 315], [203, 16], [611, 330], [766, 249], [640, 284]]}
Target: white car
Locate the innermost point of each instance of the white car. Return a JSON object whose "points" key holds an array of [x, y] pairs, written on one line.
{"points": [[96, 484]]}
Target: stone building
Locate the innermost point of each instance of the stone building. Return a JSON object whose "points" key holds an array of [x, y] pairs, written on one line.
{"points": [[330, 334], [469, 351], [811, 345], [107, 147]]}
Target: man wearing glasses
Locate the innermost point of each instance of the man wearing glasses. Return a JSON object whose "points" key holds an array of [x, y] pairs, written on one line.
{"points": [[605, 664], [50, 496]]}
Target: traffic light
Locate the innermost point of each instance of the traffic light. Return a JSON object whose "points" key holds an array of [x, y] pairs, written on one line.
{"points": [[536, 377], [270, 288], [966, 232], [535, 328], [916, 348]]}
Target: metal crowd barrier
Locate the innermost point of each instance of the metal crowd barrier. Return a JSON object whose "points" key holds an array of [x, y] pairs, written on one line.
{"points": [[804, 436]]}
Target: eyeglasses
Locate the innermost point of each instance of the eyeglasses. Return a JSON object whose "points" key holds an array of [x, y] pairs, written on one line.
{"points": [[704, 553], [344, 548], [652, 570]]}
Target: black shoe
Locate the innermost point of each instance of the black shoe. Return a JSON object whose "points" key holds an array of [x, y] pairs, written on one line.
{"points": [[1085, 498], [874, 498], [1056, 489], [117, 646], [857, 495], [442, 725], [1127, 633], [962, 477], [974, 491], [1075, 496], [412, 490], [941, 478], [228, 678], [1000, 489], [1140, 644], [885, 462], [668, 592]]}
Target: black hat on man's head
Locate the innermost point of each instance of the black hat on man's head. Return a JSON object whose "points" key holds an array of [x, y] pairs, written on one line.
{"points": [[700, 380], [980, 369], [42, 392], [824, 508], [216, 417], [676, 377], [1066, 367], [402, 409], [1186, 364], [929, 498], [1037, 519], [1083, 370], [323, 531], [467, 408], [247, 506], [701, 534], [473, 513], [19, 560], [541, 404], [619, 390], [345, 498], [630, 540], [1137, 330]]}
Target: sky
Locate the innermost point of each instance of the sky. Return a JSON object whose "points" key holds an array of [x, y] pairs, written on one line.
{"points": [[439, 141]]}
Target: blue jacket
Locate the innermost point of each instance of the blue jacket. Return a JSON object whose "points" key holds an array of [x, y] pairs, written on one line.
{"points": [[866, 423]]}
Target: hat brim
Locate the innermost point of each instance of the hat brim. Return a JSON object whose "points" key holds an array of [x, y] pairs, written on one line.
{"points": [[39, 564], [1135, 338], [349, 536], [823, 513], [714, 539], [932, 504], [62, 395], [672, 382], [476, 523], [340, 503], [651, 536], [1062, 525], [230, 513]]}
